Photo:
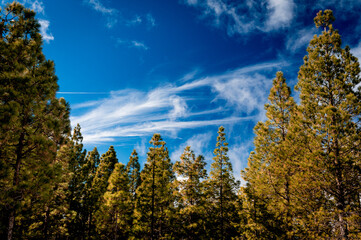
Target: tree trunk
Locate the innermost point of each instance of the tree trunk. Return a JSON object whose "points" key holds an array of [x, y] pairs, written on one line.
{"points": [[221, 196], [19, 155], [153, 187]]}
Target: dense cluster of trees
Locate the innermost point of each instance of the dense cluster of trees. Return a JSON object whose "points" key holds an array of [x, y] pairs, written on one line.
{"points": [[303, 180]]}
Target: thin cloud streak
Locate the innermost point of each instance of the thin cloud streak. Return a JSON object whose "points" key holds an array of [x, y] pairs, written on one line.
{"points": [[133, 44], [152, 127], [82, 93], [244, 17], [110, 13], [150, 21], [300, 39], [168, 108]]}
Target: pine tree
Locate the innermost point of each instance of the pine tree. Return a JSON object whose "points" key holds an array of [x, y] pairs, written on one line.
{"points": [[89, 196], [114, 218], [328, 128], [33, 122], [191, 172], [133, 169], [270, 174], [76, 155], [103, 171], [106, 167], [155, 206], [222, 189]]}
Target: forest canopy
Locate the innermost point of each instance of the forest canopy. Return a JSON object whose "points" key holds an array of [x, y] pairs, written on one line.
{"points": [[303, 179]]}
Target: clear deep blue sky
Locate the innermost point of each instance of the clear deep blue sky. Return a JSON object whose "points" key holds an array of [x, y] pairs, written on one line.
{"points": [[182, 68]]}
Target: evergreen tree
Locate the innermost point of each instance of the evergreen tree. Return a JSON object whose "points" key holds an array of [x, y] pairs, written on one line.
{"points": [[270, 174], [114, 218], [76, 155], [133, 169], [100, 183], [191, 171], [89, 196], [103, 171], [33, 122], [106, 167], [328, 128], [222, 189], [155, 206]]}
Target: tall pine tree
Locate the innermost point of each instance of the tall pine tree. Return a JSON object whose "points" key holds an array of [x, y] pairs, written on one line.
{"points": [[33, 122], [133, 169], [155, 206], [329, 129], [191, 173], [268, 203], [221, 191], [114, 217], [76, 155]]}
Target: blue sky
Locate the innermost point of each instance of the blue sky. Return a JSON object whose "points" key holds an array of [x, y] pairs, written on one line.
{"points": [[182, 68]]}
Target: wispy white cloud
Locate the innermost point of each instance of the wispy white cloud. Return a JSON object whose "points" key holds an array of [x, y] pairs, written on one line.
{"points": [[238, 155], [241, 17], [300, 39], [98, 6], [44, 30], [134, 21], [180, 108], [280, 13], [190, 75], [138, 44], [241, 91], [150, 21], [149, 128], [172, 108], [110, 13], [141, 148], [356, 51], [82, 93], [191, 2], [38, 6], [132, 44], [199, 143]]}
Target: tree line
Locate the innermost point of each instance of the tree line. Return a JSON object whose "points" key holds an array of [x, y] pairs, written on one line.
{"points": [[303, 179]]}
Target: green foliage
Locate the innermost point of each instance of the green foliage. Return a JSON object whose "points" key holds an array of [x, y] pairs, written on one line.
{"points": [[155, 209], [114, 218], [133, 169], [76, 156], [221, 189], [302, 180], [268, 201], [328, 128], [191, 196], [33, 125]]}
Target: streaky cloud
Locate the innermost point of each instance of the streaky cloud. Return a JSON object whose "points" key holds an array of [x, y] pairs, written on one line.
{"points": [[242, 17], [111, 14], [171, 108]]}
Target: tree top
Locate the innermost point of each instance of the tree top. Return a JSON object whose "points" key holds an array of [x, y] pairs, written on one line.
{"points": [[324, 18]]}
